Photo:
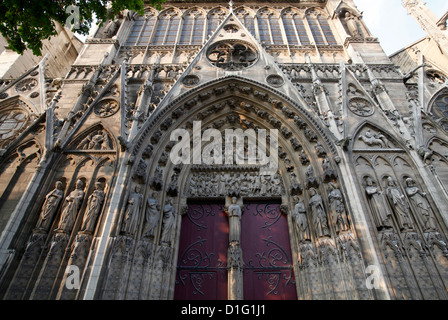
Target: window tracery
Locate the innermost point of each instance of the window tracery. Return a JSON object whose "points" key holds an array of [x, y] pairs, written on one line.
{"points": [[192, 28]]}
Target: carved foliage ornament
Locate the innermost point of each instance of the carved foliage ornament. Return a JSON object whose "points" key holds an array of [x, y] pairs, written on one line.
{"points": [[232, 55], [26, 85], [106, 108], [361, 107], [275, 80], [190, 80]]}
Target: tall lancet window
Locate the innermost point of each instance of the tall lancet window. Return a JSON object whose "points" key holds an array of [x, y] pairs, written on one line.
{"points": [[269, 26], [320, 29], [142, 29], [192, 27], [167, 28], [247, 18], [215, 18], [326, 30], [294, 28]]}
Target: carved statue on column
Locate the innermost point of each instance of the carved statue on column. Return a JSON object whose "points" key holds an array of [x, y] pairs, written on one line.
{"points": [[152, 215], [71, 207], [318, 212], [94, 205], [132, 213], [167, 221], [301, 221], [234, 212], [50, 206], [380, 212], [399, 205], [424, 212], [338, 212]]}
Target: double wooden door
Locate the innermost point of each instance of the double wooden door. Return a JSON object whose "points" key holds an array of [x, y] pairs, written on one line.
{"points": [[202, 272]]}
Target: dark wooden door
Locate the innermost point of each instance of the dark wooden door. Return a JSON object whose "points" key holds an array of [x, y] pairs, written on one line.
{"points": [[202, 259], [268, 271]]}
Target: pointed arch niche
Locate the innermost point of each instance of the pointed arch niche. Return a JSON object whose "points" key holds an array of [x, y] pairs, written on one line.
{"points": [[65, 218], [401, 214], [162, 196]]}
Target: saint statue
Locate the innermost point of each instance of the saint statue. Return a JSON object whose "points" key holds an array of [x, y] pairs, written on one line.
{"points": [[234, 212], [318, 212], [71, 207], [351, 24], [132, 213], [167, 221], [380, 213], [423, 209], [399, 205], [94, 205], [152, 215], [301, 221], [338, 213], [50, 207]]}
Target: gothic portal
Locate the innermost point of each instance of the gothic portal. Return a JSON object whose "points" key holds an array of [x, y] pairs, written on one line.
{"points": [[118, 183]]}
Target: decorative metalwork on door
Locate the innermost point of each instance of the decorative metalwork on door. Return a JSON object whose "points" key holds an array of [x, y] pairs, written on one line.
{"points": [[202, 259], [268, 270]]}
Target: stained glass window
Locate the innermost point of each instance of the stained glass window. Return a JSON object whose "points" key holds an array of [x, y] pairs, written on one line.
{"points": [[167, 28], [141, 30]]}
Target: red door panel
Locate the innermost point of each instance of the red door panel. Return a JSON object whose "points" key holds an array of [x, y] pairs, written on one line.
{"points": [[268, 272], [202, 259]]}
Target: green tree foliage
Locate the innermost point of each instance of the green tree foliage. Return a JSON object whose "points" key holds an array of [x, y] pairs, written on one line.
{"points": [[26, 23]]}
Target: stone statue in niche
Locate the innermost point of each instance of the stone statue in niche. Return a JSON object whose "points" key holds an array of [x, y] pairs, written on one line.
{"points": [[311, 180], [304, 158], [50, 207], [94, 205], [172, 187], [380, 212], [310, 135], [399, 205], [167, 221], [221, 184], [318, 213], [295, 186], [337, 207], [152, 215], [71, 207], [351, 24], [424, 213], [301, 220], [157, 179], [234, 213], [140, 172], [132, 213], [320, 151], [329, 172]]}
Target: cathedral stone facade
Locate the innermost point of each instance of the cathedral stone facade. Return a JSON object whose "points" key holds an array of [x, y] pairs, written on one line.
{"points": [[94, 204]]}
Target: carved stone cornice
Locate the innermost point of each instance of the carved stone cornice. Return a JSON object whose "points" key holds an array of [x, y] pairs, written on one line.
{"points": [[350, 40], [115, 42]]}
